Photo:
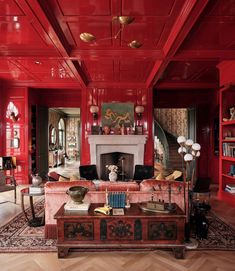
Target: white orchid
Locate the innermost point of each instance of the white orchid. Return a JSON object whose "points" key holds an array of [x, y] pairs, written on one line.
{"points": [[112, 168]]}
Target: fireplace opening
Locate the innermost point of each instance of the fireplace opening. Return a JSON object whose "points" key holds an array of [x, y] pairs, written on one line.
{"points": [[124, 161]]}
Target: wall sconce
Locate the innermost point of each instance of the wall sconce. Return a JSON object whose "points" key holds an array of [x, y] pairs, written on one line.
{"points": [[94, 109], [139, 109], [14, 117]]}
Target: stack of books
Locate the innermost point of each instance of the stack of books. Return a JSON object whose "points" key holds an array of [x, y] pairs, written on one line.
{"points": [[117, 199], [36, 189], [73, 206], [230, 188]]}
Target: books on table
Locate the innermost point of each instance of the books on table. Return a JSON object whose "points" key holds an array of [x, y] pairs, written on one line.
{"points": [[73, 206], [36, 189]]}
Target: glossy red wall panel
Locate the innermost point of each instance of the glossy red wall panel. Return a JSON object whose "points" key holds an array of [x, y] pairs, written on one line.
{"points": [[16, 130], [227, 72]]}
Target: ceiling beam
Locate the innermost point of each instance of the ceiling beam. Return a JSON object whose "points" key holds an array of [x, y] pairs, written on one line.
{"points": [[126, 53], [48, 23], [189, 14], [202, 55], [129, 85]]}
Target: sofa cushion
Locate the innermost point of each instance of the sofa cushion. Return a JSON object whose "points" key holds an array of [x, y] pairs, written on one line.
{"points": [[118, 186]]}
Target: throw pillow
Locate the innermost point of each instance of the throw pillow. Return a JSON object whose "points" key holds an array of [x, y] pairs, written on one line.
{"points": [[74, 177], [63, 179]]}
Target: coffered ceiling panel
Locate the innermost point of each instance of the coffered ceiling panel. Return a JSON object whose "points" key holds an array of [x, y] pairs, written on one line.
{"points": [[177, 41], [149, 7], [18, 36], [10, 71], [84, 7], [100, 70], [10, 8]]}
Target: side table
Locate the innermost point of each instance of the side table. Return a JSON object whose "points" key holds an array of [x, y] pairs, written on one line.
{"points": [[34, 221]]}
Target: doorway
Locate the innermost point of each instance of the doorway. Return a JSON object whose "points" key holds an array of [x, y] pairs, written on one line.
{"points": [[169, 124], [64, 137]]}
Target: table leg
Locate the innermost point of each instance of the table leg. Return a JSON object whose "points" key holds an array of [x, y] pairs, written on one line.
{"points": [[22, 207], [31, 206]]}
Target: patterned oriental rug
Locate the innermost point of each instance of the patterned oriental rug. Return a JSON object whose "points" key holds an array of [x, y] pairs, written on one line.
{"points": [[17, 236]]}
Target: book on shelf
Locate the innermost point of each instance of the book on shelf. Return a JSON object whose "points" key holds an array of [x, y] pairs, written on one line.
{"points": [[229, 138], [228, 149], [230, 186], [229, 190]]}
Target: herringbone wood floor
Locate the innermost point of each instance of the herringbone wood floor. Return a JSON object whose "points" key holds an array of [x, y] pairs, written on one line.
{"points": [[117, 261], [111, 261]]}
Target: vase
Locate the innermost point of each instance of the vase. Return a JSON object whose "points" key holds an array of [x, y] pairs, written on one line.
{"points": [[112, 176], [36, 180]]}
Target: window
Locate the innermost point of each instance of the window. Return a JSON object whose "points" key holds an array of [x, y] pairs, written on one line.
{"points": [[61, 127]]}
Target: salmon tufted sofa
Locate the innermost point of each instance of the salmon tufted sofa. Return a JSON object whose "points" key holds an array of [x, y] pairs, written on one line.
{"points": [[55, 195]]}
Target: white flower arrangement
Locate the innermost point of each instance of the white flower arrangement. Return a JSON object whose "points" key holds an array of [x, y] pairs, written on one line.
{"points": [[112, 168]]}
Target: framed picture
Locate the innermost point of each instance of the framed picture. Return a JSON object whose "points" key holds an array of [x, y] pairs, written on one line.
{"points": [[138, 129], [117, 114]]}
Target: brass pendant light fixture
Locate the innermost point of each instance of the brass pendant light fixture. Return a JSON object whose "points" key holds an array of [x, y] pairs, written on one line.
{"points": [[124, 21]]}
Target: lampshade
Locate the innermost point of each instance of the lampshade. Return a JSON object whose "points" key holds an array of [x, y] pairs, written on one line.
{"points": [[196, 153], [139, 109], [94, 109], [189, 142], [188, 157], [182, 150], [196, 147], [181, 139]]}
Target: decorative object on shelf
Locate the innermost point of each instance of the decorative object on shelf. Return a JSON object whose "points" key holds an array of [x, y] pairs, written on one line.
{"points": [[36, 180], [139, 110], [232, 114], [122, 129], [95, 129], [106, 130], [15, 142], [232, 170], [128, 204], [77, 193], [189, 151], [12, 112], [105, 210], [123, 21], [113, 172], [138, 129], [94, 109]]}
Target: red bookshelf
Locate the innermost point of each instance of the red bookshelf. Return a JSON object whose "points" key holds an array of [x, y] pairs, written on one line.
{"points": [[227, 144]]}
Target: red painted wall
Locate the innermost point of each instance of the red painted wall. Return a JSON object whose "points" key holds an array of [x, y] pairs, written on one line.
{"points": [[227, 72], [205, 102], [19, 96], [99, 96]]}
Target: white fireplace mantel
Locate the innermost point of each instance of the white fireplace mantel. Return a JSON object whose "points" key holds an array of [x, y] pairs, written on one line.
{"points": [[100, 144]]}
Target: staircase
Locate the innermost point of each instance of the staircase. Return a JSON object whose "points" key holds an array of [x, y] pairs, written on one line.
{"points": [[175, 161]]}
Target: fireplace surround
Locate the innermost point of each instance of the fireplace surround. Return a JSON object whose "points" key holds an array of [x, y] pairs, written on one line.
{"points": [[101, 144]]}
